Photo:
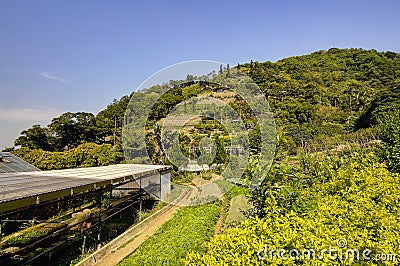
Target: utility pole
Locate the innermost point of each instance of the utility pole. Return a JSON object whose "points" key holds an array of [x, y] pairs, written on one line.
{"points": [[115, 128]]}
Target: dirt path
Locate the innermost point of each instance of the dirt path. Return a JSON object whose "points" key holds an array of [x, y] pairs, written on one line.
{"points": [[220, 222], [238, 205], [125, 250]]}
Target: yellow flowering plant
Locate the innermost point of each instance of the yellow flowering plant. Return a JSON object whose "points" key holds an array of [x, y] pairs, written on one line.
{"points": [[353, 213]]}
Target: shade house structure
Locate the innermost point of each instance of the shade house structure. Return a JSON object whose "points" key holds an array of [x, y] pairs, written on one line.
{"points": [[9, 163], [23, 185]]}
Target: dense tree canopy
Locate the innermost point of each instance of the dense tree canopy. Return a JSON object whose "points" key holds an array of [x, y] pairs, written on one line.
{"points": [[69, 130], [35, 137], [111, 119]]}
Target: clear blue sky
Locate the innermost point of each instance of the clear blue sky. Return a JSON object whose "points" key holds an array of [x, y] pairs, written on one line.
{"points": [[58, 56]]}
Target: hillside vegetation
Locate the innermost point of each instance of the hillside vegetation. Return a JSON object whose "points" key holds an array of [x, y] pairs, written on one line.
{"points": [[321, 100], [334, 180]]}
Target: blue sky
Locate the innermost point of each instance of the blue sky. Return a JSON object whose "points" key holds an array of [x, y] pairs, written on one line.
{"points": [[58, 56]]}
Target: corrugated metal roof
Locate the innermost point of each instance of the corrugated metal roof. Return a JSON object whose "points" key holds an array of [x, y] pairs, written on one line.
{"points": [[9, 163], [25, 188]]}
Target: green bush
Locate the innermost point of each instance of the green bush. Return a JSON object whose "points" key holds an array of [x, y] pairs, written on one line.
{"points": [[359, 202], [85, 155]]}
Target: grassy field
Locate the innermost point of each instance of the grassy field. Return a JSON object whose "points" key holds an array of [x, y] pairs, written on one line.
{"points": [[185, 232]]}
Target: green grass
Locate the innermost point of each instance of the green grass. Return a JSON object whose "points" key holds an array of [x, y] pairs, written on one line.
{"points": [[30, 235], [183, 233], [235, 191], [25, 238], [230, 193], [230, 190], [237, 206]]}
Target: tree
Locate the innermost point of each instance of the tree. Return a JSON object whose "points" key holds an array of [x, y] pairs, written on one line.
{"points": [[389, 131], [176, 157], [190, 78], [220, 157], [71, 129], [206, 152], [109, 121], [36, 137]]}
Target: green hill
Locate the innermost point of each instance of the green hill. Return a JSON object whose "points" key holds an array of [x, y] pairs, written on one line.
{"points": [[319, 101]]}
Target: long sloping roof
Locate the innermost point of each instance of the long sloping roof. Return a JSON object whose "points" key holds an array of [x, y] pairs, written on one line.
{"points": [[9, 163], [20, 189]]}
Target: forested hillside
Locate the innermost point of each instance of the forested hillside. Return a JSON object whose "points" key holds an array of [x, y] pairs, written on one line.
{"points": [[337, 188], [327, 93], [326, 100]]}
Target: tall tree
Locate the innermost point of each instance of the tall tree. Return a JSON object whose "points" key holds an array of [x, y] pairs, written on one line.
{"points": [[71, 129], [36, 137], [109, 121], [220, 157]]}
